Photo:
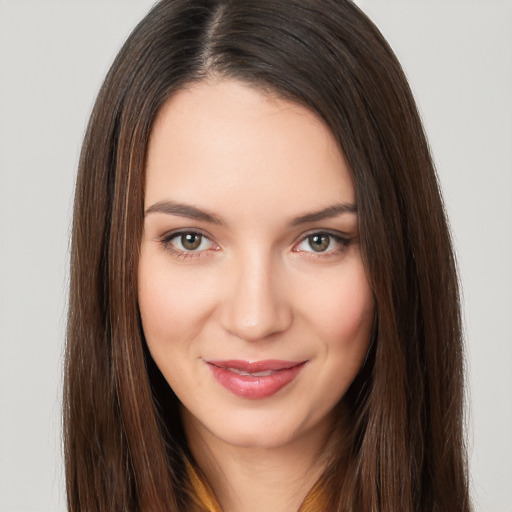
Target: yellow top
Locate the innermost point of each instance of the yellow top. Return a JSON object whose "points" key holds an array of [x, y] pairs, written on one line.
{"points": [[205, 501]]}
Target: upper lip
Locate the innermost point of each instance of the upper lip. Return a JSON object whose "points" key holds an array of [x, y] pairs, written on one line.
{"points": [[255, 366]]}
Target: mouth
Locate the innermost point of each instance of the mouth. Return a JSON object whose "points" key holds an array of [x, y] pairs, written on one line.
{"points": [[255, 380]]}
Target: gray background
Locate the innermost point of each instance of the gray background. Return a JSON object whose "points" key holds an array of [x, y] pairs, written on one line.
{"points": [[53, 56]]}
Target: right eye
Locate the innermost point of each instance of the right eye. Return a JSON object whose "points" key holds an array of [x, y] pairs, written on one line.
{"points": [[187, 243]]}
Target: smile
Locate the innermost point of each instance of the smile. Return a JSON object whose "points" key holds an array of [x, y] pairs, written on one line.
{"points": [[255, 380]]}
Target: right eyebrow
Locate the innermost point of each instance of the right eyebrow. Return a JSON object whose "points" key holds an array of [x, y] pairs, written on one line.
{"points": [[183, 210]]}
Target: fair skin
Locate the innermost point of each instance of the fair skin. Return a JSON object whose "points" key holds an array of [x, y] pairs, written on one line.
{"points": [[253, 296]]}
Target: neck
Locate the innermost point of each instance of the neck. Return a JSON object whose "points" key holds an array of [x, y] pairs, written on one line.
{"points": [[252, 478]]}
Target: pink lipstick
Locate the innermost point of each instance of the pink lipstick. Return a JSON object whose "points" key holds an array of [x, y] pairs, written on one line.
{"points": [[255, 379]]}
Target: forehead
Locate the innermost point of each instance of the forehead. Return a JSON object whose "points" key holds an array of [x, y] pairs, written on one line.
{"points": [[220, 140]]}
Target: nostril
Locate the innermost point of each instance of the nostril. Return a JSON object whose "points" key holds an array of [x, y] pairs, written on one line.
{"points": [[256, 322]]}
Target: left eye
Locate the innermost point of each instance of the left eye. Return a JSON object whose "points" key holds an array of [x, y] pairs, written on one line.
{"points": [[189, 242], [320, 242]]}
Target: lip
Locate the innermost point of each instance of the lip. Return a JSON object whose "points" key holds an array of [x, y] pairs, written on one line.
{"points": [[255, 380]]}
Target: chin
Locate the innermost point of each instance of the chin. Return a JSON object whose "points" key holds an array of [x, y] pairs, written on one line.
{"points": [[259, 429], [262, 437]]}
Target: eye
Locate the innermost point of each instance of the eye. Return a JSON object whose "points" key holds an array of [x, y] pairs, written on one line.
{"points": [[187, 242], [322, 242]]}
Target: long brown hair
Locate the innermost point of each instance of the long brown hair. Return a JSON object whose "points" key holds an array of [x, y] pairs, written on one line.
{"points": [[124, 444]]}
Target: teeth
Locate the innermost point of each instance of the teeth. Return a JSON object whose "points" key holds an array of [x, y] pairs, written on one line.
{"points": [[266, 373]]}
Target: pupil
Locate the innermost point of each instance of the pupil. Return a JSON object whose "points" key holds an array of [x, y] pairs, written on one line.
{"points": [[191, 241], [319, 243]]}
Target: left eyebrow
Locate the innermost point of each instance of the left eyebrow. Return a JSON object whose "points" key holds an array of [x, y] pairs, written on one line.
{"points": [[325, 213]]}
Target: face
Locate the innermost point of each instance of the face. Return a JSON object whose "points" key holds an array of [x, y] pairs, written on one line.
{"points": [[254, 301]]}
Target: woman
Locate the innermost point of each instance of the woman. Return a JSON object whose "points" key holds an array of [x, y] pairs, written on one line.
{"points": [[264, 305]]}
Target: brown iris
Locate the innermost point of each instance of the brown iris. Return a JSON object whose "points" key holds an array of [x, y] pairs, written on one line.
{"points": [[319, 242], [191, 241]]}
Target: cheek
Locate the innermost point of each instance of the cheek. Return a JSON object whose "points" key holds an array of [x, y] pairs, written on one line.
{"points": [[173, 305], [343, 318], [343, 311]]}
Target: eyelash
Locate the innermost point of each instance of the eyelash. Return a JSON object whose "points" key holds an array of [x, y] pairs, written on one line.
{"points": [[166, 241], [342, 241]]}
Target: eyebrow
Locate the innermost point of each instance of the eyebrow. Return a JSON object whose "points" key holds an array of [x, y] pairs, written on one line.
{"points": [[326, 213], [192, 212], [183, 210]]}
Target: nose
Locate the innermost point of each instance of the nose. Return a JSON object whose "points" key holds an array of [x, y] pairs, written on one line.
{"points": [[257, 304]]}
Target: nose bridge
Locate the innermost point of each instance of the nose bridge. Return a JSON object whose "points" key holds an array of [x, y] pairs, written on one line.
{"points": [[256, 306]]}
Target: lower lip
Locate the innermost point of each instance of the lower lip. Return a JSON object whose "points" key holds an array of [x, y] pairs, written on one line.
{"points": [[255, 388]]}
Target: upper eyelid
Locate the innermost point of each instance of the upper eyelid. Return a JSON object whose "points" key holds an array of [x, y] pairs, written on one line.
{"points": [[166, 239], [327, 231], [339, 235], [181, 231], [302, 236], [166, 242], [331, 232]]}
